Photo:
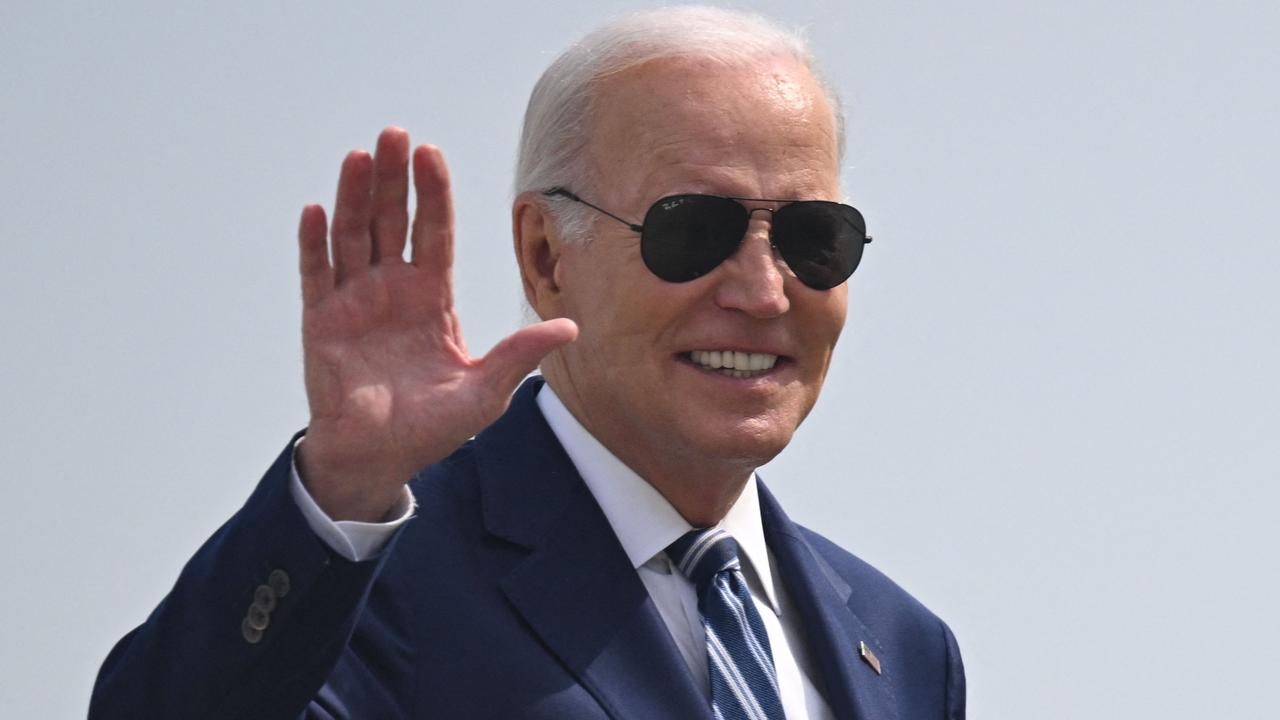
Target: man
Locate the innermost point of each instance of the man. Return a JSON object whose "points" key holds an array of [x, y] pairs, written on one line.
{"points": [[601, 548]]}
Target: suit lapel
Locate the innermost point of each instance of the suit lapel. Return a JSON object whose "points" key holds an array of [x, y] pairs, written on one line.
{"points": [[853, 689], [576, 588]]}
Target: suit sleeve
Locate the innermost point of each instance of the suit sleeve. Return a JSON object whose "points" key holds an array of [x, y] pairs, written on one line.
{"points": [[220, 645]]}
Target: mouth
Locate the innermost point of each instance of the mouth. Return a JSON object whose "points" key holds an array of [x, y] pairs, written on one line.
{"points": [[733, 363]]}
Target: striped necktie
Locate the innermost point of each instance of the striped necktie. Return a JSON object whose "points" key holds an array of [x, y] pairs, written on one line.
{"points": [[744, 685]]}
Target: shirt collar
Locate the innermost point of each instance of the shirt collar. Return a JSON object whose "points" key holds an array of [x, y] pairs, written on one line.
{"points": [[641, 517]]}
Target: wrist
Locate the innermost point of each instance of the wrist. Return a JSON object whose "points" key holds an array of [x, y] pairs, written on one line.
{"points": [[348, 489]]}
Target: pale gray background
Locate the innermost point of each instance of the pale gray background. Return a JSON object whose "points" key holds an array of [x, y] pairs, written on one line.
{"points": [[1052, 416]]}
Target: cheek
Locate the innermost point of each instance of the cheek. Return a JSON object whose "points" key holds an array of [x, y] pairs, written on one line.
{"points": [[618, 329], [627, 312], [823, 316], [836, 320]]}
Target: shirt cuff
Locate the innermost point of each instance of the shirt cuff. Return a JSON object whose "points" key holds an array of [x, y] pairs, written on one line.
{"points": [[352, 539]]}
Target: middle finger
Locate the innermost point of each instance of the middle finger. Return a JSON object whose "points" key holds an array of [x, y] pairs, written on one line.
{"points": [[350, 229], [390, 195]]}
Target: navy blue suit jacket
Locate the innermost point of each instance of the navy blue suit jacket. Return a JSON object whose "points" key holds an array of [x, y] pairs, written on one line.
{"points": [[509, 596]]}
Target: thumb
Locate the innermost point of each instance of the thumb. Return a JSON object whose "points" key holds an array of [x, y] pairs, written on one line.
{"points": [[520, 352]]}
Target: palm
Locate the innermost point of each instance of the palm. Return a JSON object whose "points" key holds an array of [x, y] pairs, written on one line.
{"points": [[380, 353], [389, 381]]}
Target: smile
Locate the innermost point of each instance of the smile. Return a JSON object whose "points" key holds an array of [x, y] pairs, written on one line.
{"points": [[733, 363]]}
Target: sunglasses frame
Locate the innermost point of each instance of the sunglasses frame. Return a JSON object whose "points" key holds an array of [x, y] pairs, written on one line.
{"points": [[639, 229]]}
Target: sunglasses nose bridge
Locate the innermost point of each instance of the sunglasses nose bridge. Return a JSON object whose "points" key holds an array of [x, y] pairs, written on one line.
{"points": [[755, 231], [751, 214]]}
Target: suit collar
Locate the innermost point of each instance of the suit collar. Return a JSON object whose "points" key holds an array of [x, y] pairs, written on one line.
{"points": [[576, 588], [852, 689]]}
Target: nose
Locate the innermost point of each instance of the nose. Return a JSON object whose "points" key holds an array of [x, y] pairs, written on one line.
{"points": [[752, 280]]}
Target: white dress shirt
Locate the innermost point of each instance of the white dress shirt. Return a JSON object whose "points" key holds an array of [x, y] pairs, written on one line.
{"points": [[645, 524]]}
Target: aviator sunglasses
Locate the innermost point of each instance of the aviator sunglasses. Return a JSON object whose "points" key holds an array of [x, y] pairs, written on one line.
{"points": [[684, 237]]}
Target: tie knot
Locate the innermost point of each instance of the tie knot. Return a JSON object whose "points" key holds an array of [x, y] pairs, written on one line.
{"points": [[700, 554]]}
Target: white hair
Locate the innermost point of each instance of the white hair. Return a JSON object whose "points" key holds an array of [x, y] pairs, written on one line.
{"points": [[557, 122]]}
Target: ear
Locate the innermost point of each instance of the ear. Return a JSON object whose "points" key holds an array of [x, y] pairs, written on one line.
{"points": [[538, 247]]}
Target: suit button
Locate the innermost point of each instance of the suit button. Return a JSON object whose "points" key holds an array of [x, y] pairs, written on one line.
{"points": [[279, 582], [258, 618], [265, 598], [251, 634]]}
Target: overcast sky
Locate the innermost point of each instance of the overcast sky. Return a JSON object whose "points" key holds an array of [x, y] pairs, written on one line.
{"points": [[1052, 416]]}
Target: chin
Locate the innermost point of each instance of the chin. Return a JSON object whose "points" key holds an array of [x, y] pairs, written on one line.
{"points": [[749, 443]]}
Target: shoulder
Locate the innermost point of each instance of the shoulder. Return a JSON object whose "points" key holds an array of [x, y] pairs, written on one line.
{"points": [[452, 475], [896, 615], [870, 586], [448, 492], [920, 644]]}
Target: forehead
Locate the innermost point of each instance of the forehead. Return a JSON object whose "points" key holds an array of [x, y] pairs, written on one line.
{"points": [[763, 128]]}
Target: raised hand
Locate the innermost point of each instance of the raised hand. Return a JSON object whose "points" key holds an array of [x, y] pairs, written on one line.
{"points": [[389, 381]]}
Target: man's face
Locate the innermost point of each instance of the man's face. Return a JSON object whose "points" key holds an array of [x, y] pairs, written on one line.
{"points": [[634, 376]]}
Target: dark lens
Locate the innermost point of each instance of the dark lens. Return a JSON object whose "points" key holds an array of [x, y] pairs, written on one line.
{"points": [[821, 241], [687, 236]]}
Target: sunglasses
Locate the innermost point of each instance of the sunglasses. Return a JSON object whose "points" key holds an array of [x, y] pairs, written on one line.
{"points": [[684, 237]]}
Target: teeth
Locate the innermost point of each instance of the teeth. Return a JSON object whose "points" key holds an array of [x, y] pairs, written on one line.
{"points": [[734, 363]]}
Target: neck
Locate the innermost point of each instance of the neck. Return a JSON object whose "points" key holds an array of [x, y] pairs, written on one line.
{"points": [[701, 503], [700, 487]]}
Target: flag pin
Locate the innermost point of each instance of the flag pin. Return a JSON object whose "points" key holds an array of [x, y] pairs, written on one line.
{"points": [[869, 657]]}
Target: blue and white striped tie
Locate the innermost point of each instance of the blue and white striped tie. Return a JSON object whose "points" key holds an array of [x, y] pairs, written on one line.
{"points": [[744, 685]]}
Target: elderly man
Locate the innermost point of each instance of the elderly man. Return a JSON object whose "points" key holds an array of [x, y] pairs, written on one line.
{"points": [[598, 545]]}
